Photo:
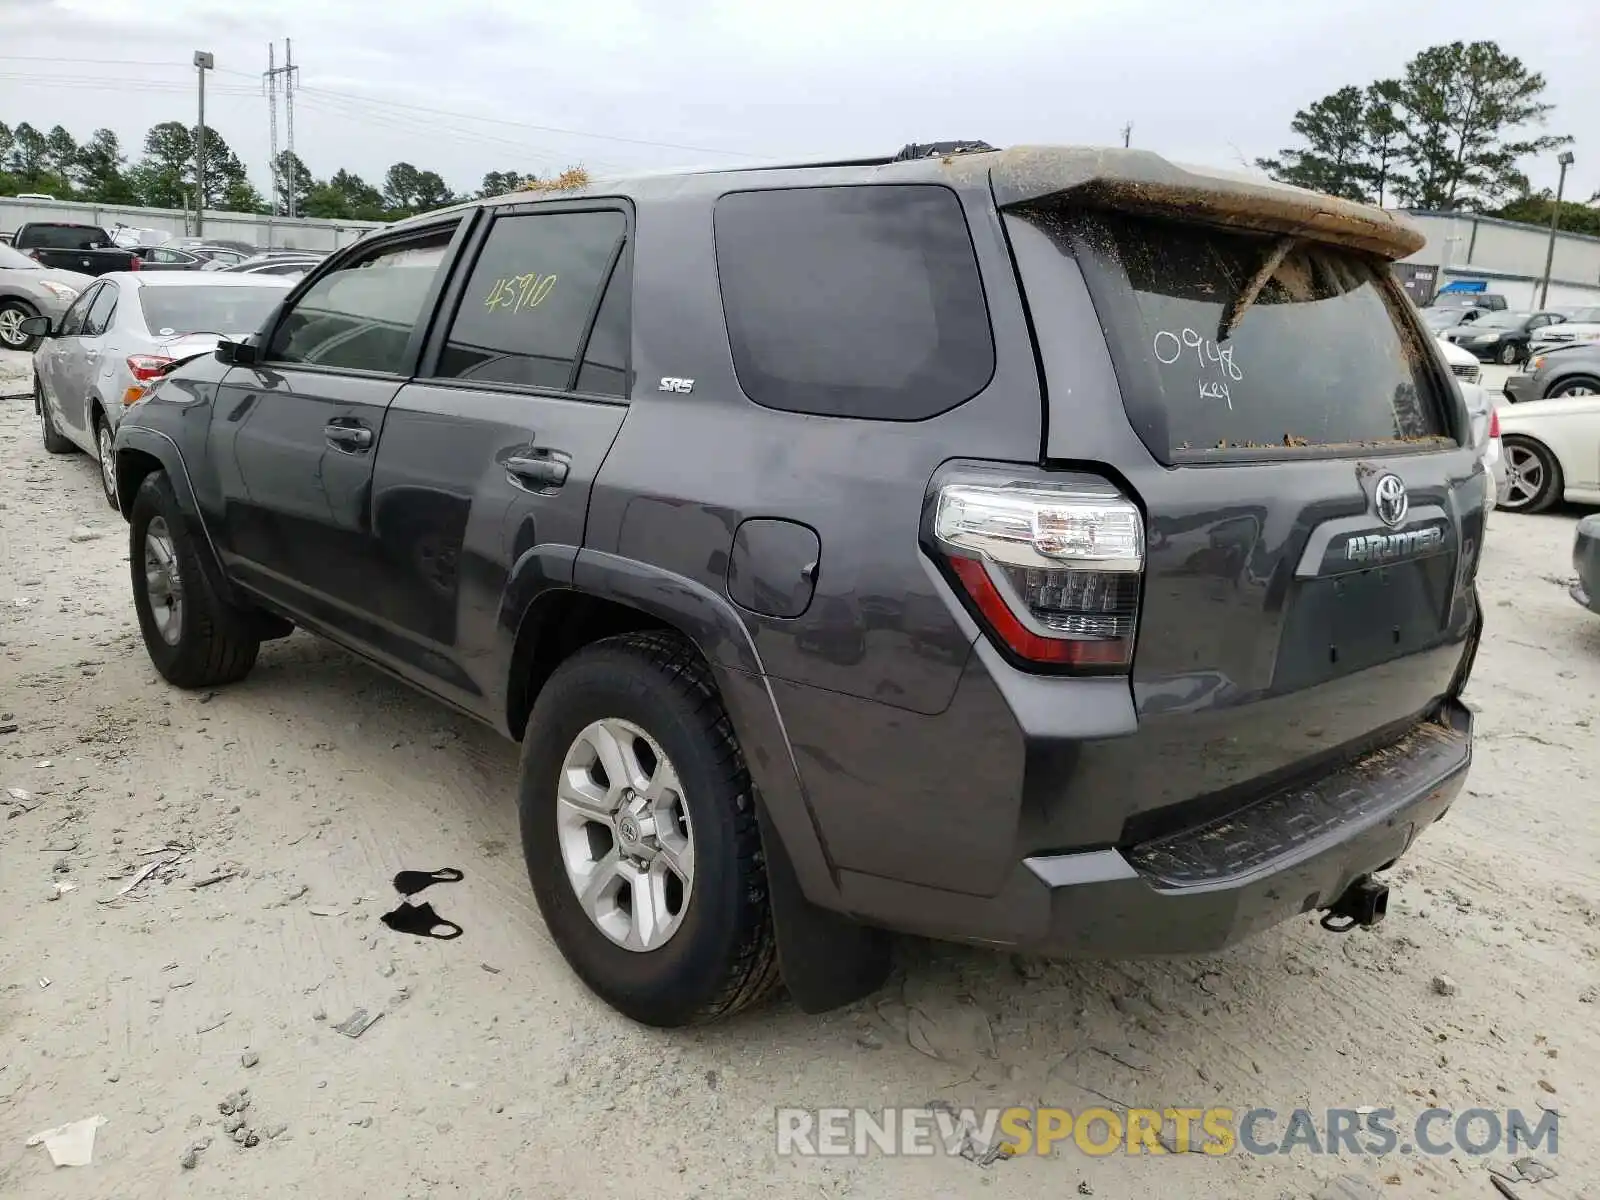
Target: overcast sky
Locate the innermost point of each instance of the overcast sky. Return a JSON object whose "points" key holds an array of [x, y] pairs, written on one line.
{"points": [[654, 83]]}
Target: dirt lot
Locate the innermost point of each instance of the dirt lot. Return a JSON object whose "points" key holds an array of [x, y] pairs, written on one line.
{"points": [[295, 796]]}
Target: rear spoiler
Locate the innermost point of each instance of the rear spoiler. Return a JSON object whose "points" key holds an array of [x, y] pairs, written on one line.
{"points": [[1142, 182]]}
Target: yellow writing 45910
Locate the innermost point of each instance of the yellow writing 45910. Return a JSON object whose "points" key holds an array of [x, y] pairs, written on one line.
{"points": [[517, 293]]}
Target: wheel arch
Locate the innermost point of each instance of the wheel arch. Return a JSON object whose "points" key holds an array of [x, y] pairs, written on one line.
{"points": [[607, 595]]}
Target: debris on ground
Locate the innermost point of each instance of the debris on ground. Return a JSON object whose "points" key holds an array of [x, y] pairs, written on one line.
{"points": [[18, 801], [1443, 985], [82, 533], [249, 1058], [72, 1144], [358, 1023]]}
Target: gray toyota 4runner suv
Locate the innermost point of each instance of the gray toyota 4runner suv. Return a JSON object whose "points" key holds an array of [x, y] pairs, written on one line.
{"points": [[1048, 548]]}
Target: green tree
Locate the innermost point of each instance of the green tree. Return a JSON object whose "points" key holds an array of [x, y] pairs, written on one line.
{"points": [[7, 141], [1334, 157], [498, 183], [29, 149], [1383, 140], [406, 189], [165, 177], [61, 152], [1465, 104], [346, 197], [98, 171], [292, 182], [1535, 210]]}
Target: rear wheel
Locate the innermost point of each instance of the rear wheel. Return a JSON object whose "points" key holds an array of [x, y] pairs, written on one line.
{"points": [[108, 459], [55, 442], [1581, 386], [1533, 476], [1508, 354], [195, 639], [12, 314], [639, 828]]}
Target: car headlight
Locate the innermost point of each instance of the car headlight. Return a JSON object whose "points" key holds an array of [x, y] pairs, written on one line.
{"points": [[59, 290]]}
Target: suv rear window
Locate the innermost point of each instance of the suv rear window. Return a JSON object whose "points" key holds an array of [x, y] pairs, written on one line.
{"points": [[1316, 359], [68, 237], [853, 301]]}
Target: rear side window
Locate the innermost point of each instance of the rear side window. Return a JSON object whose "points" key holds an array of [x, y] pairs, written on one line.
{"points": [[1316, 358], [853, 301], [360, 317], [531, 298], [68, 237]]}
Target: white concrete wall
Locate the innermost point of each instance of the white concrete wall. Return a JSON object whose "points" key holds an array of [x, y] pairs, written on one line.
{"points": [[268, 232], [1510, 258]]}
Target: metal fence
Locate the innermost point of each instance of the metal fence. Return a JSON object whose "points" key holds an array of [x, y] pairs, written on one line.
{"points": [[298, 233]]}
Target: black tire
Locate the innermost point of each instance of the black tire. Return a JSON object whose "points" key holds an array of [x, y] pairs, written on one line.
{"points": [[106, 458], [23, 310], [1508, 355], [55, 442], [1581, 385], [723, 956], [1549, 486], [213, 643]]}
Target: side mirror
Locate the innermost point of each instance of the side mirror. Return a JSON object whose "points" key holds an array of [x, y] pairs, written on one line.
{"points": [[236, 354], [35, 327]]}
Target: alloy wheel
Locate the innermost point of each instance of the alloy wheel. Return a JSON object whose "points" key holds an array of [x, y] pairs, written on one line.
{"points": [[624, 834], [1524, 477], [108, 461], [163, 583], [10, 331]]}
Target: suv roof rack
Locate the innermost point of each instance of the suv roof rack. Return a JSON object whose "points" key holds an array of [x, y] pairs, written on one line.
{"points": [[913, 150]]}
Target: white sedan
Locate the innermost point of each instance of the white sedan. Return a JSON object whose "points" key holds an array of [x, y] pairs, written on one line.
{"points": [[1468, 371], [1552, 452], [116, 338]]}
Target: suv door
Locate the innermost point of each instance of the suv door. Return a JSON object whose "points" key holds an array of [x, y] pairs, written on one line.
{"points": [[490, 454], [293, 435], [63, 371]]}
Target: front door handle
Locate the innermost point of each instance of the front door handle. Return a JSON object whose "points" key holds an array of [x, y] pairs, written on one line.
{"points": [[350, 438], [538, 470]]}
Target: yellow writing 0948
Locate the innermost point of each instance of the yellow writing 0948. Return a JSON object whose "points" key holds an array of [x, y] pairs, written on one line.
{"points": [[517, 293]]}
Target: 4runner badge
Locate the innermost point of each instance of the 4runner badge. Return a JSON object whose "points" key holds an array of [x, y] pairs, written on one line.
{"points": [[671, 384], [1390, 500]]}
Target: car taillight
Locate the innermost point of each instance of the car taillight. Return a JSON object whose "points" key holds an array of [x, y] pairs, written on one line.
{"points": [[1054, 570], [1494, 423], [146, 367], [134, 262], [34, 254]]}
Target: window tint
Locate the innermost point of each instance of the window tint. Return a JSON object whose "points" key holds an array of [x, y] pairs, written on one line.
{"points": [[605, 361], [72, 320], [68, 237], [98, 319], [361, 316], [530, 298], [856, 302], [209, 308], [1316, 359]]}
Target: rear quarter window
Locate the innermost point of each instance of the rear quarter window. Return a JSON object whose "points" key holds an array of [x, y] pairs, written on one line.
{"points": [[1314, 355], [853, 301]]}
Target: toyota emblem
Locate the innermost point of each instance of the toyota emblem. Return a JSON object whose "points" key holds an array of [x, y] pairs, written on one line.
{"points": [[1391, 501]]}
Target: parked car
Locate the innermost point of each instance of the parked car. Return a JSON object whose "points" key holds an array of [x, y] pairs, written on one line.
{"points": [[85, 249], [1571, 370], [1475, 302], [1480, 407], [1586, 563], [1552, 452], [803, 524], [114, 341], [1581, 325], [1501, 337], [217, 255], [287, 265], [29, 289], [168, 258], [1439, 319]]}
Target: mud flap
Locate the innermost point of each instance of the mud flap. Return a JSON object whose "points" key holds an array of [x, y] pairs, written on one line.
{"points": [[827, 959]]}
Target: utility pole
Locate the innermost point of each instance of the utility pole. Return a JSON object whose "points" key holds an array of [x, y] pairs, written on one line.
{"points": [[203, 62], [289, 74], [1565, 159], [1127, 135]]}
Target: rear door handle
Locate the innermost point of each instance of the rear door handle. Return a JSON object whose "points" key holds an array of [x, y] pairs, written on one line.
{"points": [[350, 438], [538, 470]]}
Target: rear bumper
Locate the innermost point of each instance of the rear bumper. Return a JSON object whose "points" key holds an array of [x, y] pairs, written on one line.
{"points": [[1519, 387], [1290, 852], [1586, 564]]}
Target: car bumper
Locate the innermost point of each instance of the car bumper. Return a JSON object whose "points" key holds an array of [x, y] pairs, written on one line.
{"points": [[1586, 564], [1519, 387], [1293, 851]]}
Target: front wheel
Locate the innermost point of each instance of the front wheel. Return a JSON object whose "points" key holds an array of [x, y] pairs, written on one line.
{"points": [[194, 639], [639, 828], [55, 442], [12, 314], [1575, 387], [108, 461], [1508, 354], [1533, 476]]}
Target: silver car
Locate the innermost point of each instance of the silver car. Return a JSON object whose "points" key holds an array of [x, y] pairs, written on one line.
{"points": [[115, 339], [30, 290]]}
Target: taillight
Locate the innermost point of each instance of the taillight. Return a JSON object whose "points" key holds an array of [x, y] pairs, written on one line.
{"points": [[146, 367], [34, 254], [1054, 570], [1494, 423], [134, 262]]}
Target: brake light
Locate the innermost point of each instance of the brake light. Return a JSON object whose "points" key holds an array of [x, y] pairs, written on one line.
{"points": [[1494, 423], [134, 262], [1054, 570], [146, 367], [34, 254]]}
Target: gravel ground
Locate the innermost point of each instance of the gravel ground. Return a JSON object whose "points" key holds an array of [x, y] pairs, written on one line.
{"points": [[292, 799]]}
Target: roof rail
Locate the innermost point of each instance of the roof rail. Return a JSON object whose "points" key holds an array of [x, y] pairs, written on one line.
{"points": [[913, 150]]}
